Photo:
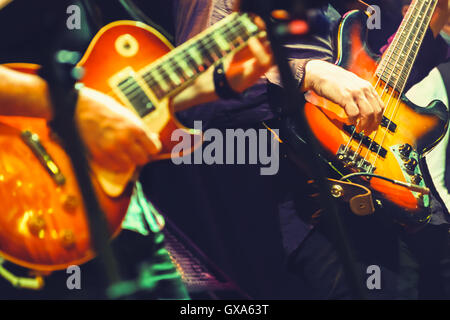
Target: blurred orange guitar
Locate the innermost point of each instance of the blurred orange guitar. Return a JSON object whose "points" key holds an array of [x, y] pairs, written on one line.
{"points": [[395, 152], [43, 224]]}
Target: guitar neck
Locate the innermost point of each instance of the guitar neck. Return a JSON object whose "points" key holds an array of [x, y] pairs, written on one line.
{"points": [[397, 62], [174, 71]]}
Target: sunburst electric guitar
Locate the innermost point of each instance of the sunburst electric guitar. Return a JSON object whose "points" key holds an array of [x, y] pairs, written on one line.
{"points": [[407, 132], [43, 224]]}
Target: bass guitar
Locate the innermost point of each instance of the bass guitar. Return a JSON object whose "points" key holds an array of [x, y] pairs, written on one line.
{"points": [[390, 161]]}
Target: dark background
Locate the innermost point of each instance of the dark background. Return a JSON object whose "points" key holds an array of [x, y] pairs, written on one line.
{"points": [[28, 31]]}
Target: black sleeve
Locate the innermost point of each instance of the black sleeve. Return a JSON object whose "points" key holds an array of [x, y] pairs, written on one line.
{"points": [[28, 27]]}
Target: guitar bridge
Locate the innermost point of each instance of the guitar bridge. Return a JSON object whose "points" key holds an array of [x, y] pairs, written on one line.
{"points": [[354, 160], [32, 140]]}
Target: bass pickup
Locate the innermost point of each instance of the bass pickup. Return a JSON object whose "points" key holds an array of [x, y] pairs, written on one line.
{"points": [[366, 141]]}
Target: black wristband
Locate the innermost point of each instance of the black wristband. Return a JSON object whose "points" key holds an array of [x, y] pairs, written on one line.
{"points": [[222, 87]]}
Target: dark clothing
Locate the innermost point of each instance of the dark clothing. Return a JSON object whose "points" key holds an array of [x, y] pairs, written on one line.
{"points": [[252, 224], [39, 28]]}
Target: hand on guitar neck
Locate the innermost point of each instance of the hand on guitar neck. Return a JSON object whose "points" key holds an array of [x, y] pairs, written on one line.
{"points": [[243, 69], [116, 137], [125, 119]]}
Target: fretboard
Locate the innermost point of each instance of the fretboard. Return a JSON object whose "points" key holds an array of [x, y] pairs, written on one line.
{"points": [[184, 63], [398, 60]]}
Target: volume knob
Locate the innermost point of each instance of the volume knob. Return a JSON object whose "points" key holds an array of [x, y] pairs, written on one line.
{"points": [[416, 179], [411, 165], [405, 150]]}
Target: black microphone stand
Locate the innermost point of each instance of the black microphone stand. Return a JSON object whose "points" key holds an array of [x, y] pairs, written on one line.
{"points": [[295, 127], [61, 75]]}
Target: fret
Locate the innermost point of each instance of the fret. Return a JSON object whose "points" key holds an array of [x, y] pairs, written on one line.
{"points": [[214, 48], [198, 54], [398, 60], [185, 69], [206, 54], [393, 75], [169, 73], [223, 44], [156, 77], [173, 77], [177, 71]]}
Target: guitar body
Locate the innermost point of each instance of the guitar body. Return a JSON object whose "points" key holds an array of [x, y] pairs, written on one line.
{"points": [[421, 128], [43, 225], [131, 46]]}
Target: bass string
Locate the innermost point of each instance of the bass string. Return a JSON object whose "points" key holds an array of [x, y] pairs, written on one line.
{"points": [[392, 116], [207, 45], [394, 44], [388, 108]]}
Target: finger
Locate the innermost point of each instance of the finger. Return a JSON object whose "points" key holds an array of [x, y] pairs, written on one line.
{"points": [[352, 111], [150, 142], [261, 51], [367, 115], [136, 153], [377, 107], [117, 161], [259, 22]]}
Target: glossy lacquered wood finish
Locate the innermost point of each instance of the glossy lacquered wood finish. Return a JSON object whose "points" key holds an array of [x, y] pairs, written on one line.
{"points": [[422, 128], [43, 226]]}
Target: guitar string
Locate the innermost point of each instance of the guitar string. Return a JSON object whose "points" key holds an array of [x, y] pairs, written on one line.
{"points": [[206, 45], [172, 84], [394, 67], [389, 76], [394, 44], [398, 79], [224, 29], [239, 28], [427, 16]]}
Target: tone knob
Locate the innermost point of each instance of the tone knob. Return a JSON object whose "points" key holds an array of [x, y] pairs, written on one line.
{"points": [[411, 165], [70, 203], [416, 179], [405, 150], [36, 225], [67, 238]]}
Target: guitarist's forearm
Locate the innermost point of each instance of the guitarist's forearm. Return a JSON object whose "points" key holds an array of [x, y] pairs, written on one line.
{"points": [[440, 17], [23, 94]]}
